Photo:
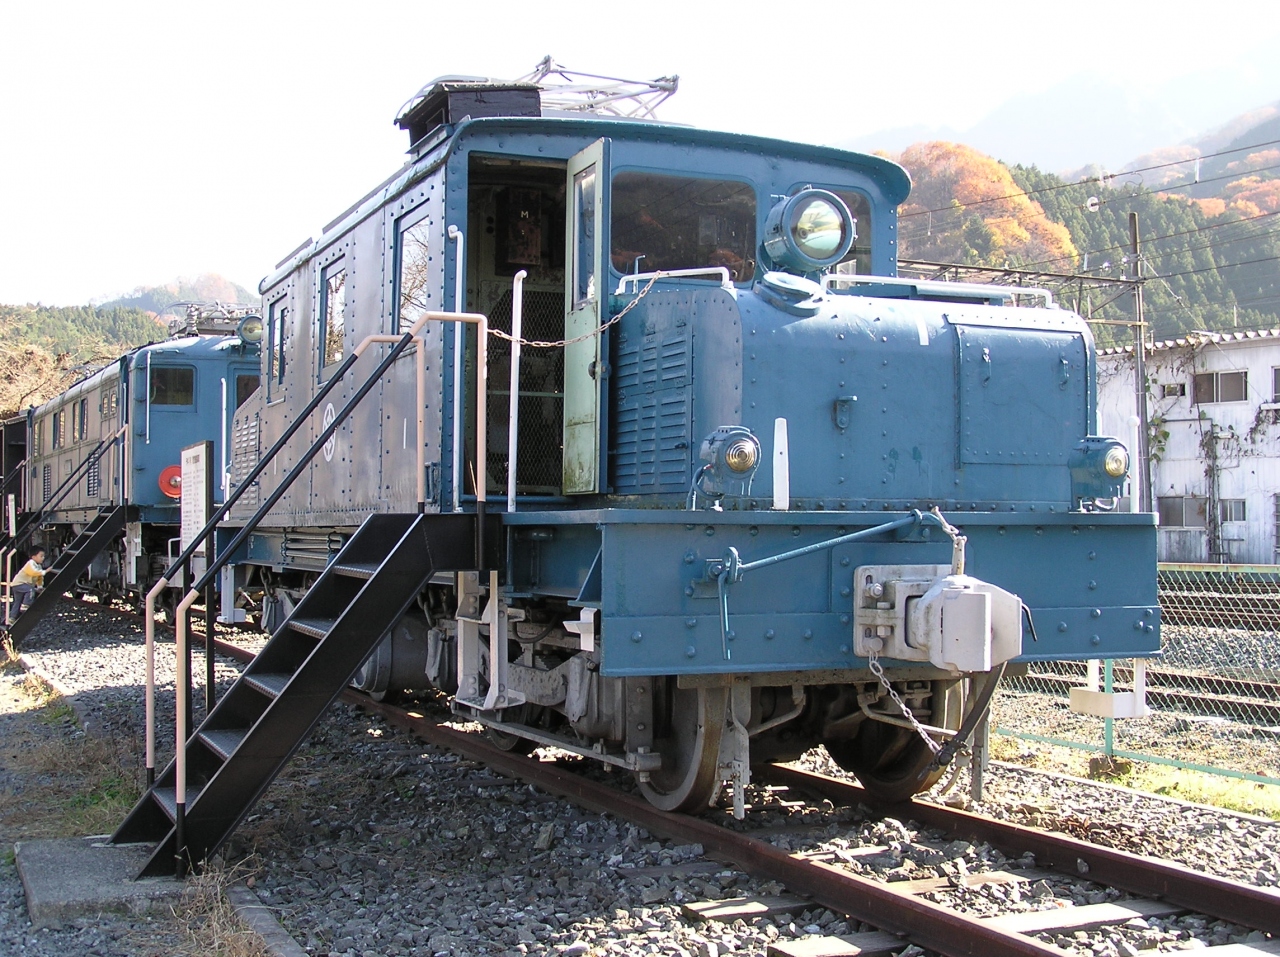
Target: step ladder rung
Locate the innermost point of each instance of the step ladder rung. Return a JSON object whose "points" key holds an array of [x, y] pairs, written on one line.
{"points": [[168, 803], [365, 570], [224, 741], [269, 684], [315, 627]]}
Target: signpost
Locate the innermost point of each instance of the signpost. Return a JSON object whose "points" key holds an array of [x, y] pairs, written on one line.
{"points": [[196, 510]]}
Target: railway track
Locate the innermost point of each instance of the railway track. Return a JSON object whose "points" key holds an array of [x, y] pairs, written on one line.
{"points": [[900, 912]]}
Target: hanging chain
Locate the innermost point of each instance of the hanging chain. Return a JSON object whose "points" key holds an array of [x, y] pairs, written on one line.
{"points": [[877, 669], [560, 343]]}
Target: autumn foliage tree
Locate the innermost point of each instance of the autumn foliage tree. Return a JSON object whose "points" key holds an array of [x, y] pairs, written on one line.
{"points": [[965, 207]]}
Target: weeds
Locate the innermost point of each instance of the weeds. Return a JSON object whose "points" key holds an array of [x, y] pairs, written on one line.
{"points": [[208, 918]]}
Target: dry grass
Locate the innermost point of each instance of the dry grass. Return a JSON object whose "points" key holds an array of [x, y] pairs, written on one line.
{"points": [[1185, 785], [208, 919]]}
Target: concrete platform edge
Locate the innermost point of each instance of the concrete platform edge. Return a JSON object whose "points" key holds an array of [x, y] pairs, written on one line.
{"points": [[258, 917]]}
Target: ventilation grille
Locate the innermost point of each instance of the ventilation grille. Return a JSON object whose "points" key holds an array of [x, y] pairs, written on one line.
{"points": [[652, 421], [246, 449], [93, 479]]}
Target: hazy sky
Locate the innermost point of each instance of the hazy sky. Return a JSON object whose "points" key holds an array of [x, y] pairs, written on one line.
{"points": [[140, 142]]}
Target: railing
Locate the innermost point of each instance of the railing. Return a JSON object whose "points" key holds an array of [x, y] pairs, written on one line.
{"points": [[941, 288], [35, 519], [181, 625]]}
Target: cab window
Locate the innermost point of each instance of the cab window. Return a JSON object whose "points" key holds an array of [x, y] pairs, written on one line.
{"points": [[682, 222], [413, 276], [173, 385], [859, 254], [277, 317], [246, 385]]}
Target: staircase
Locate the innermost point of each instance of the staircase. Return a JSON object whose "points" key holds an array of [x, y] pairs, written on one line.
{"points": [[70, 565], [265, 716]]}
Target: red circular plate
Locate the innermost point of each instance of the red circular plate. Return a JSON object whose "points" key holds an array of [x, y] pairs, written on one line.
{"points": [[171, 481]]}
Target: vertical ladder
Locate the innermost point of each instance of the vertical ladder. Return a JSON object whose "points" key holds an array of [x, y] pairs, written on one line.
{"points": [[263, 719], [70, 565]]}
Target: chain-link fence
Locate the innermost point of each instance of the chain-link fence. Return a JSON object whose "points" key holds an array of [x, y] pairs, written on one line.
{"points": [[1213, 695]]}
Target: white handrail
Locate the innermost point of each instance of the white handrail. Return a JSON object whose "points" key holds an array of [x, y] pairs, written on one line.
{"points": [[940, 287], [459, 292], [513, 405], [726, 281]]}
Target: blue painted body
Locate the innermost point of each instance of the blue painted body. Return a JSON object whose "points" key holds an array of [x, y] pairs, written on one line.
{"points": [[893, 402]]}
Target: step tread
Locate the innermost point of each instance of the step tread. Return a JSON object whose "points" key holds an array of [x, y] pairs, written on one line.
{"points": [[268, 683], [365, 570], [315, 627], [224, 741], [165, 798]]}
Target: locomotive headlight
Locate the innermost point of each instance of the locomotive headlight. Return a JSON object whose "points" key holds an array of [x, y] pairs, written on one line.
{"points": [[1116, 463], [809, 231], [741, 455], [250, 329]]}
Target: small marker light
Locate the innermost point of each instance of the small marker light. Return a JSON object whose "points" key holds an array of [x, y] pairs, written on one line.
{"points": [[1116, 463]]}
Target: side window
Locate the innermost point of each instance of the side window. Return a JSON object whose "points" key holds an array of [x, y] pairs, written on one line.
{"points": [[38, 437], [108, 401], [173, 385], [584, 257], [77, 420], [277, 320], [59, 428], [333, 311], [246, 385], [413, 275], [81, 414]]}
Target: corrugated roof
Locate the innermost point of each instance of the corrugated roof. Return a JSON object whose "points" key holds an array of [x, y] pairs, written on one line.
{"points": [[1197, 339]]}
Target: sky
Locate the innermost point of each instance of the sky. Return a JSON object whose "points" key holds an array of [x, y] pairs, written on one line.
{"points": [[140, 142]]}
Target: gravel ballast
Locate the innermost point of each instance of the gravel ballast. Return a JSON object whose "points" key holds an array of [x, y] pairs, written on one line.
{"points": [[372, 842]]}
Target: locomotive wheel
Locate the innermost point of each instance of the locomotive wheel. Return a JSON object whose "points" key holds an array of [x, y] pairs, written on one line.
{"points": [[514, 743], [888, 760], [690, 729]]}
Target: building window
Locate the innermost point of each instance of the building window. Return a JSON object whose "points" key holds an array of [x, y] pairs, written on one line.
{"points": [[1173, 390], [1231, 510], [1275, 384], [333, 313], [1220, 387], [1183, 511], [173, 385]]}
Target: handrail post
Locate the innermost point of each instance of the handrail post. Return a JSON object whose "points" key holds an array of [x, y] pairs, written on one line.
{"points": [[513, 405], [150, 627], [459, 290], [182, 715], [185, 664], [8, 582]]}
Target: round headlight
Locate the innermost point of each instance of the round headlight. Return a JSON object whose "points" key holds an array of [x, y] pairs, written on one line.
{"points": [[1116, 464], [819, 229], [809, 231], [250, 329], [741, 455]]}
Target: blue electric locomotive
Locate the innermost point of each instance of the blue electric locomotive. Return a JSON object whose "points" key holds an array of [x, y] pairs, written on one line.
{"points": [[103, 465], [751, 492]]}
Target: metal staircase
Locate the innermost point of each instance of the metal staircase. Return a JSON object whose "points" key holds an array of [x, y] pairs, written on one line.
{"points": [[265, 716], [70, 565]]}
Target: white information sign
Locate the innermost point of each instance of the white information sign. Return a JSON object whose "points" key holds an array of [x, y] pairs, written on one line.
{"points": [[11, 513], [195, 493]]}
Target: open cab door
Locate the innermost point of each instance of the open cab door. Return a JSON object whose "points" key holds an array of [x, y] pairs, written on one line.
{"points": [[584, 309]]}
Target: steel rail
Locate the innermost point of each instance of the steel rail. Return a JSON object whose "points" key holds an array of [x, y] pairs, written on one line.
{"points": [[1250, 906], [879, 904]]}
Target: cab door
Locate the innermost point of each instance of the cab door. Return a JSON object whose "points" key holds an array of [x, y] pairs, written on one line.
{"points": [[584, 310]]}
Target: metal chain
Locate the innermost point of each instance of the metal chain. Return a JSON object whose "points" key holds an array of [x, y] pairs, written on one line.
{"points": [[560, 343], [873, 662]]}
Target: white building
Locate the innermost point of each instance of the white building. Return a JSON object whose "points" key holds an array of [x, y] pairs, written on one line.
{"points": [[1214, 409]]}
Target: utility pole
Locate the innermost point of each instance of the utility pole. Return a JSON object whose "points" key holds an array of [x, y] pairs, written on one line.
{"points": [[1143, 451]]}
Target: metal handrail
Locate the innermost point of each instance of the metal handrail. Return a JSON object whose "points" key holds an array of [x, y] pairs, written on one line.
{"points": [[34, 520], [17, 470], [217, 563]]}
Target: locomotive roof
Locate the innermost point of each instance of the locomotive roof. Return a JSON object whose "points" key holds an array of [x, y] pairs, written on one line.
{"points": [[189, 347], [434, 150]]}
